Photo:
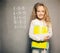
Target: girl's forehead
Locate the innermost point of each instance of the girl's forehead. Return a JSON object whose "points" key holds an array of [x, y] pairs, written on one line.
{"points": [[40, 7]]}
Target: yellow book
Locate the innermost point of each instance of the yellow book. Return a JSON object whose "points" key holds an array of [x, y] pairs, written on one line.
{"points": [[40, 44], [40, 29]]}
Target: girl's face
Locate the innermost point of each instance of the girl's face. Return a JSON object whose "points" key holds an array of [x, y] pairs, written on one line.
{"points": [[40, 12]]}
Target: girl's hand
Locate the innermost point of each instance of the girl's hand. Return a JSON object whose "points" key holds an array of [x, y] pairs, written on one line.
{"points": [[46, 38]]}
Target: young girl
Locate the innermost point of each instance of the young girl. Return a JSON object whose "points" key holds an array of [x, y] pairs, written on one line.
{"points": [[40, 30]]}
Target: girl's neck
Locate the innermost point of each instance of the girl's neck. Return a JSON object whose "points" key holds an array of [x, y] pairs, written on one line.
{"points": [[40, 19]]}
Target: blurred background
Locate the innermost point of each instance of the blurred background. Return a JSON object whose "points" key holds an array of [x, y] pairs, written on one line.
{"points": [[14, 25]]}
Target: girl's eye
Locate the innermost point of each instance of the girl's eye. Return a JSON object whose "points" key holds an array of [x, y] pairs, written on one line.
{"points": [[41, 11], [38, 11]]}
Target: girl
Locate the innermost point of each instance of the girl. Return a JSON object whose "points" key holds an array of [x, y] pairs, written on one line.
{"points": [[40, 29]]}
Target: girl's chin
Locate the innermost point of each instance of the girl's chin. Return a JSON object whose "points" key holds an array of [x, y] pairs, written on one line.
{"points": [[40, 18]]}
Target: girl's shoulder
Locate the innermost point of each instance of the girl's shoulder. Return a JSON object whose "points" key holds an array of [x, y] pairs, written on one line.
{"points": [[37, 22], [34, 20]]}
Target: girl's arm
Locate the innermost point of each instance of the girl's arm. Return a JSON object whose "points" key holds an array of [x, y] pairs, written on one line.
{"points": [[49, 35], [50, 31], [32, 35]]}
